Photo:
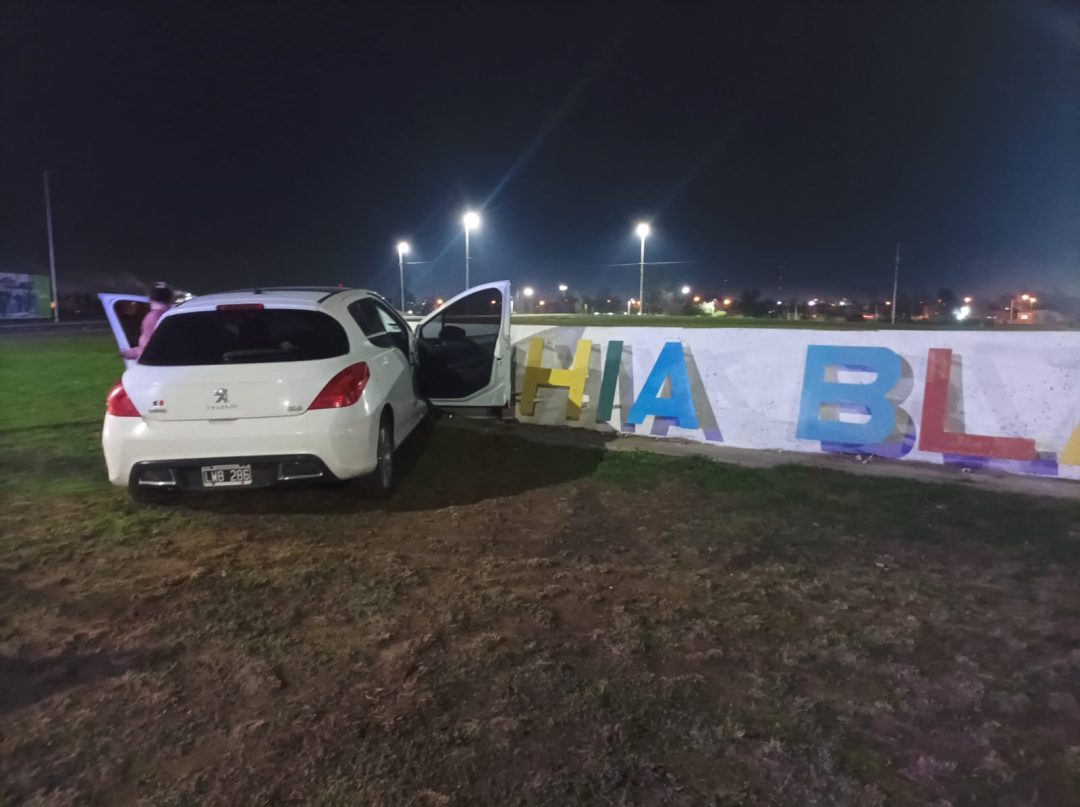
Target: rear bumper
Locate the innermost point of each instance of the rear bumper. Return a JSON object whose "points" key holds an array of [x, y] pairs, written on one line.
{"points": [[265, 472], [343, 442]]}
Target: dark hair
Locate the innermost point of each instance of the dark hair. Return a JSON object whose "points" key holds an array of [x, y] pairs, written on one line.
{"points": [[161, 293]]}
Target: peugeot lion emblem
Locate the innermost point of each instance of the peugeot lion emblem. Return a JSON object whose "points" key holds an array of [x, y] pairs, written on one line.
{"points": [[221, 395]]}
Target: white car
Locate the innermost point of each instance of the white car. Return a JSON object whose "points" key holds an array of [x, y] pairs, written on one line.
{"points": [[278, 385]]}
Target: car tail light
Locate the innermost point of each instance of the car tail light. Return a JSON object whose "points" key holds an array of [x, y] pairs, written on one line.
{"points": [[119, 404], [344, 389]]}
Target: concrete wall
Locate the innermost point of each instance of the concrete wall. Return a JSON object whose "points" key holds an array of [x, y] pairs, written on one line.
{"points": [[1003, 400]]}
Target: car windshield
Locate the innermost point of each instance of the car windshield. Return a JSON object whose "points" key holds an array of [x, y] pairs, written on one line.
{"points": [[244, 337]]}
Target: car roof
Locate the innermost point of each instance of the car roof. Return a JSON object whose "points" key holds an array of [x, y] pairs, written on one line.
{"points": [[301, 296]]}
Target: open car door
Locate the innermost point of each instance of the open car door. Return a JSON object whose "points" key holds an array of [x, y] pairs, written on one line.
{"points": [[125, 314], [463, 349]]}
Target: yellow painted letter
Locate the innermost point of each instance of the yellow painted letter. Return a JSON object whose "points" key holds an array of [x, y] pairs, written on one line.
{"points": [[1071, 454], [574, 378]]}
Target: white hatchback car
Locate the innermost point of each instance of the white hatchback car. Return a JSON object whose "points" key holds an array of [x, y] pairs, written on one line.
{"points": [[278, 385]]}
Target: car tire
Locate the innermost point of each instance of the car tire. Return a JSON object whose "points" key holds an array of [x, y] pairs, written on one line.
{"points": [[380, 482]]}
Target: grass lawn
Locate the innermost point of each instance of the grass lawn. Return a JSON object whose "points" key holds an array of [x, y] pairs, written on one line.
{"points": [[522, 624]]}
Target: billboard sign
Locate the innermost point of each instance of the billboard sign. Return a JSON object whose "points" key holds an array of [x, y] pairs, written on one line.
{"points": [[24, 296]]}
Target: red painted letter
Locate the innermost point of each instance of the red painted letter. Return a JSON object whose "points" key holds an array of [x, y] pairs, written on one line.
{"points": [[933, 437]]}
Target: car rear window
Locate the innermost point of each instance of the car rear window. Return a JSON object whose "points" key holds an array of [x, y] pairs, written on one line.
{"points": [[244, 337]]}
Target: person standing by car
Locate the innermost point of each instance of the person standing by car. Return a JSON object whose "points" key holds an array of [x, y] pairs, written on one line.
{"points": [[161, 298]]}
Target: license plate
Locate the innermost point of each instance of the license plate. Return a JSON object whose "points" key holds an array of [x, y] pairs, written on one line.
{"points": [[225, 476]]}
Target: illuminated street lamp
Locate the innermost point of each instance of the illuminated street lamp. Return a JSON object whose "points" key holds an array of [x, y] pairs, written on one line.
{"points": [[402, 251], [470, 221], [527, 291], [642, 231], [630, 304], [563, 288], [967, 301], [727, 301], [685, 290]]}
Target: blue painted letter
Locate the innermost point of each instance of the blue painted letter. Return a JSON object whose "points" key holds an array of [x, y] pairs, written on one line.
{"points": [[670, 364], [868, 399]]}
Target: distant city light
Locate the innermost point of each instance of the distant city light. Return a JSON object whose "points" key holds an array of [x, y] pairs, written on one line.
{"points": [[541, 302], [527, 291], [1025, 297], [962, 313], [1033, 299], [727, 301], [697, 298], [967, 300], [439, 302], [811, 302]]}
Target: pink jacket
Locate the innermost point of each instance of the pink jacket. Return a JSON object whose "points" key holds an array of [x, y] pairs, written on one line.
{"points": [[149, 323]]}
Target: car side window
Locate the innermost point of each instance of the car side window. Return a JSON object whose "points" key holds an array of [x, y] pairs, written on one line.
{"points": [[379, 326], [395, 328]]}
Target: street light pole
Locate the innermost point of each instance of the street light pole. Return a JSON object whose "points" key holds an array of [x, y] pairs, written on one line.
{"points": [[642, 231], [402, 251], [52, 252], [895, 281], [470, 221]]}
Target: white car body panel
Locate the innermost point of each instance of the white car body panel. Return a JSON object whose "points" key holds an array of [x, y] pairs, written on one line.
{"points": [[344, 440]]}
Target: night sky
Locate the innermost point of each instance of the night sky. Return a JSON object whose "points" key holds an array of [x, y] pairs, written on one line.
{"points": [[218, 145]]}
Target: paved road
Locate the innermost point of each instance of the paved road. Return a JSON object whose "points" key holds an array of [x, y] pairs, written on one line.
{"points": [[66, 328]]}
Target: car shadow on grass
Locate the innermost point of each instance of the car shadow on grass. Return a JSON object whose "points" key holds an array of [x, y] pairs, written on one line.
{"points": [[29, 680], [439, 467]]}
